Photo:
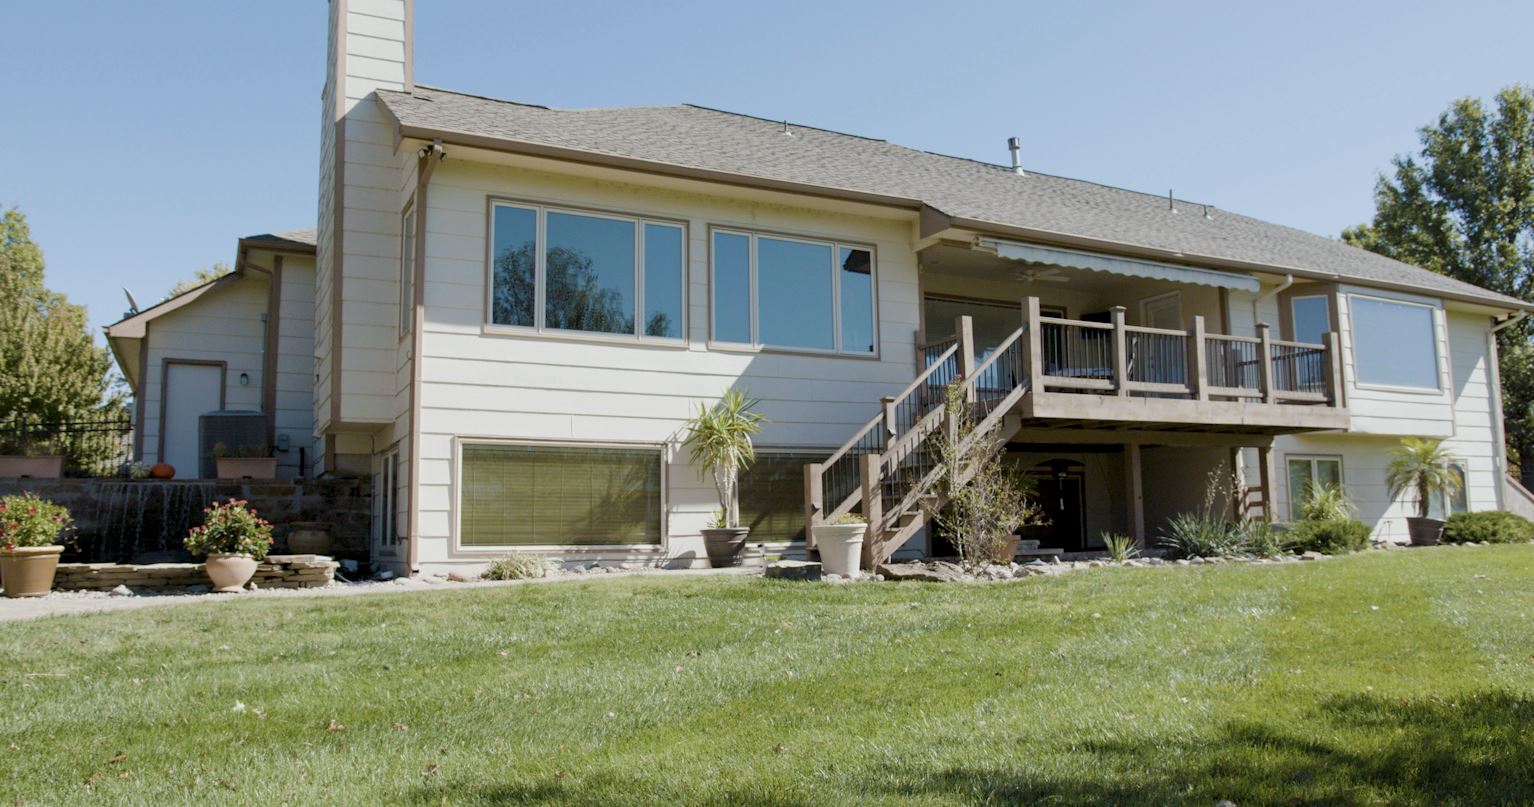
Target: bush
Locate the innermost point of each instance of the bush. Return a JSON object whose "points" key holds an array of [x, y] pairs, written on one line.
{"points": [[1206, 535], [230, 527], [1120, 547], [1260, 540], [1491, 526], [28, 520], [1325, 503], [1331, 537], [515, 567]]}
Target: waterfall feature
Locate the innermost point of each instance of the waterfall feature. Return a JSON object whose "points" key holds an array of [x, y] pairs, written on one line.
{"points": [[141, 521]]}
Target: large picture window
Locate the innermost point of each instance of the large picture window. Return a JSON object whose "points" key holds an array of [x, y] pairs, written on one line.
{"points": [[547, 495], [780, 292], [558, 270], [1394, 343], [772, 494]]}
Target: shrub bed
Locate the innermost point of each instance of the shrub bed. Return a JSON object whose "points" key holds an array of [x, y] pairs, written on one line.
{"points": [[1492, 527], [1330, 537]]}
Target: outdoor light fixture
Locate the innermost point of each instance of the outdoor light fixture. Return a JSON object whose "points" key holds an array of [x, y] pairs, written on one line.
{"points": [[244, 379]]}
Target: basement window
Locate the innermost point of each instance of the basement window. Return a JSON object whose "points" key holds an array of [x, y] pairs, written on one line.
{"points": [[521, 495], [791, 293], [566, 271]]}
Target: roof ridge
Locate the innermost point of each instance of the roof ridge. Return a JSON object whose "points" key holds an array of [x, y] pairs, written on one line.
{"points": [[787, 122], [420, 86]]}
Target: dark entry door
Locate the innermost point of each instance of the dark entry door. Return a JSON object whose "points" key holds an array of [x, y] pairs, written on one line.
{"points": [[1060, 498]]}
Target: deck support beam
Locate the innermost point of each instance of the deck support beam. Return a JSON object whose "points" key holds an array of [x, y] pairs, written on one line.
{"points": [[1134, 493], [1265, 480]]}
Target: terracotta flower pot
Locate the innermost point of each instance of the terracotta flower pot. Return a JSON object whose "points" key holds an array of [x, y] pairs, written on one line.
{"points": [[724, 545], [32, 467], [27, 571], [309, 538], [840, 547], [229, 571], [246, 467]]}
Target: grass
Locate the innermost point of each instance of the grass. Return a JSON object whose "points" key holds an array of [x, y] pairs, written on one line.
{"points": [[1401, 678]]}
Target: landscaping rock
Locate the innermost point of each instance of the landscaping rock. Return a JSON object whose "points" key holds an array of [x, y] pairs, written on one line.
{"points": [[197, 589], [460, 577], [938, 571], [1311, 555], [121, 591], [793, 570]]}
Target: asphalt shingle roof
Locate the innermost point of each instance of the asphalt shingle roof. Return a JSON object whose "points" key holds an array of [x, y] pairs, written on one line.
{"points": [[712, 140], [305, 238]]}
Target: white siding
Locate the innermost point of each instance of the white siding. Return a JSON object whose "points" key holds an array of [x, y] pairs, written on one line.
{"points": [[224, 326], [492, 385], [295, 363], [1376, 410]]}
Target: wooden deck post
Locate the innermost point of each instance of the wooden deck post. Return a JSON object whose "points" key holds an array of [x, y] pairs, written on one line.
{"points": [[964, 327], [873, 504], [1033, 345], [1265, 479], [1134, 492], [921, 349], [1198, 367], [814, 508], [1120, 352], [1332, 366], [1238, 481], [891, 428], [1265, 362]]}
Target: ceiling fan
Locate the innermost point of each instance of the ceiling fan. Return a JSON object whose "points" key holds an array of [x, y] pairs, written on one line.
{"points": [[1047, 273]]}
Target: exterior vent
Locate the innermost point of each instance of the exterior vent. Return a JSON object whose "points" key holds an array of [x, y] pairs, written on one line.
{"points": [[236, 429]]}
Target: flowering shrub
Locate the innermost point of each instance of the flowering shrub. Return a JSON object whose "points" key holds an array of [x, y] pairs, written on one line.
{"points": [[231, 527], [28, 520]]}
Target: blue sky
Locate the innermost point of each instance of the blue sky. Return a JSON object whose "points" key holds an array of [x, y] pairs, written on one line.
{"points": [[145, 138]]}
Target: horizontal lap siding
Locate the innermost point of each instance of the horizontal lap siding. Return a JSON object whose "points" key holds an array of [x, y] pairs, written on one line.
{"points": [[1384, 411], [295, 361], [540, 388]]}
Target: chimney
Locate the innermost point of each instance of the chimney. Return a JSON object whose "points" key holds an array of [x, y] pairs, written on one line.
{"points": [[368, 48], [1015, 146]]}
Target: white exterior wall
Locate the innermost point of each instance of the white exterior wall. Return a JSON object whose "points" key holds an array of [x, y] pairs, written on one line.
{"points": [[295, 363], [552, 388], [224, 326]]}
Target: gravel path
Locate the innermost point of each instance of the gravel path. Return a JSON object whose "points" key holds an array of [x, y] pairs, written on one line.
{"points": [[85, 602]]}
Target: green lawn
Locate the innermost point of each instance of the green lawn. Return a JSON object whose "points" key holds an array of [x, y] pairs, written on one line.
{"points": [[1386, 678]]}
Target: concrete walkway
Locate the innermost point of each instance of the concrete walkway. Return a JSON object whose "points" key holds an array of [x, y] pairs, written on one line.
{"points": [[89, 602]]}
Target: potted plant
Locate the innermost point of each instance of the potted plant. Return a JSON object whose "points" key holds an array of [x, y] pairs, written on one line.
{"points": [[840, 543], [1422, 468], [235, 539], [719, 438], [30, 530], [245, 462], [23, 457]]}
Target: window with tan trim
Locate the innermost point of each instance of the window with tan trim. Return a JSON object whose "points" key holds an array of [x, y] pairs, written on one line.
{"points": [[782, 292]]}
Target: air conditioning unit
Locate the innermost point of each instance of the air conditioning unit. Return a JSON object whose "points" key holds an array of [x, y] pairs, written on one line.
{"points": [[236, 429]]}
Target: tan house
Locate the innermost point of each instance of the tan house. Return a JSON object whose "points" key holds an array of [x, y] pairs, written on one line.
{"points": [[516, 307]]}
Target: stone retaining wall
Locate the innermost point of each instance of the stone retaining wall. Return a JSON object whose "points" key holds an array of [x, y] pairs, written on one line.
{"points": [[276, 571]]}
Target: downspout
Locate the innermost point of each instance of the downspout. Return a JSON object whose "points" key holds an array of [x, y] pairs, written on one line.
{"points": [[1499, 429], [1275, 291], [425, 166]]}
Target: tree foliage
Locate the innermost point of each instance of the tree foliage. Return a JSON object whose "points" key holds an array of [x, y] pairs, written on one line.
{"points": [[1464, 207], [201, 277], [51, 370]]}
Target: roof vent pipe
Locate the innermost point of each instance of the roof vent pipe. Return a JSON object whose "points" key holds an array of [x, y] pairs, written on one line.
{"points": [[1015, 146]]}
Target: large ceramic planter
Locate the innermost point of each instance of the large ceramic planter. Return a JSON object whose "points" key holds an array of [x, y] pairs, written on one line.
{"points": [[33, 467], [28, 571], [309, 538], [246, 467], [1424, 531], [840, 547], [1007, 551], [724, 545], [230, 572]]}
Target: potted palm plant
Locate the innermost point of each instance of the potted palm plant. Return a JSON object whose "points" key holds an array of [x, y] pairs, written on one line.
{"points": [[1422, 468], [30, 530], [235, 539], [719, 439]]}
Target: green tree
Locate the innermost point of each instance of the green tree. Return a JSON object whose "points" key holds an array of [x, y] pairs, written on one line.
{"points": [[1464, 207], [52, 369], [201, 277]]}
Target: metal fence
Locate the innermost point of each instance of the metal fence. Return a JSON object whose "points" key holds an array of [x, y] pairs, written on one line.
{"points": [[98, 444]]}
